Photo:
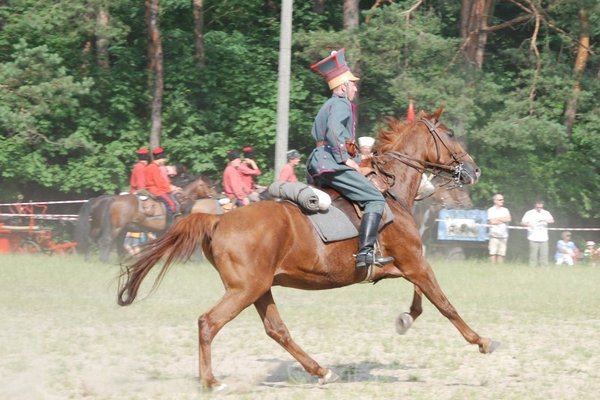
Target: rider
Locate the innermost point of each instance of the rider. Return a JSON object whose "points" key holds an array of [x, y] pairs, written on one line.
{"points": [[233, 183], [158, 184], [249, 170], [138, 174], [334, 161]]}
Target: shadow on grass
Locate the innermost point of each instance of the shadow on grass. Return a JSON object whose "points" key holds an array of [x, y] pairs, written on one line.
{"points": [[290, 373]]}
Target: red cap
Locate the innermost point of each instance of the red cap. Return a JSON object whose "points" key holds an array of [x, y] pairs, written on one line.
{"points": [[247, 149], [142, 151], [158, 150]]}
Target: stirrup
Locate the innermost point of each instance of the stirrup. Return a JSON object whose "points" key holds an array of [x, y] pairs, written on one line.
{"points": [[368, 259]]}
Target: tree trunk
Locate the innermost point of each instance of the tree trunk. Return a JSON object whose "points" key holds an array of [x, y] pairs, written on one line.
{"points": [[474, 17], [3, 3], [199, 30], [583, 46], [351, 14], [102, 24], [156, 69], [319, 6]]}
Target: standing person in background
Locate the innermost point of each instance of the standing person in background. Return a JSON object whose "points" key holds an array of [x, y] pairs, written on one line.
{"points": [[288, 173], [566, 251], [498, 217], [334, 161], [536, 220], [249, 170], [234, 184], [137, 181]]}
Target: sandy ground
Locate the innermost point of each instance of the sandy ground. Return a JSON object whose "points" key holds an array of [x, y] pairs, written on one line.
{"points": [[61, 339]]}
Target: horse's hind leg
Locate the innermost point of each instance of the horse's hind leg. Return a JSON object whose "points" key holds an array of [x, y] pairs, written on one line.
{"points": [[276, 329], [426, 281], [211, 322]]}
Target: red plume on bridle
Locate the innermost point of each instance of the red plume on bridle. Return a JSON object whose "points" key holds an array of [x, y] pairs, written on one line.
{"points": [[410, 113]]}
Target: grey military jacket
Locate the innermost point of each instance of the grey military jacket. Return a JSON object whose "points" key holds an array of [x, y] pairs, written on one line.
{"points": [[333, 126]]}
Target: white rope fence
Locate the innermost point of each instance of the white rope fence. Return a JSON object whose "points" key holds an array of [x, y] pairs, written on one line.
{"points": [[42, 215], [524, 227]]}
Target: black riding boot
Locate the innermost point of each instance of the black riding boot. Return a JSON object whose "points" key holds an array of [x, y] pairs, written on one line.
{"points": [[367, 235]]}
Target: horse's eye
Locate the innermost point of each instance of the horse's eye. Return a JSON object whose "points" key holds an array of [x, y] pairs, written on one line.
{"points": [[450, 133]]}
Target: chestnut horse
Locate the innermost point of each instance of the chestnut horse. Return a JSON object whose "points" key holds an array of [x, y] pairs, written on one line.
{"points": [[105, 218], [273, 243]]}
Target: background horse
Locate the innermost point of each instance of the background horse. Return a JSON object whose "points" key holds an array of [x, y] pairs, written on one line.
{"points": [[273, 243], [106, 219]]}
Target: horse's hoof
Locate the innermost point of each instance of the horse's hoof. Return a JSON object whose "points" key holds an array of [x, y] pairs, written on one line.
{"points": [[329, 377], [403, 323], [218, 388], [215, 387], [488, 346]]}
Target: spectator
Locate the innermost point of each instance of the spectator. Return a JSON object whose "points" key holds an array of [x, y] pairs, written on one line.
{"points": [[566, 251], [498, 217], [287, 173], [233, 182], [334, 161], [249, 171], [591, 255], [536, 220], [137, 181], [158, 184]]}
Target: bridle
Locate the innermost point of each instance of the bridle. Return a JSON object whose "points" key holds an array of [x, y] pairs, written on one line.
{"points": [[453, 171]]}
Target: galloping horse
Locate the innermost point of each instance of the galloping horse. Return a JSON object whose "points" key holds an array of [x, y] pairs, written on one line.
{"points": [[273, 243], [104, 219]]}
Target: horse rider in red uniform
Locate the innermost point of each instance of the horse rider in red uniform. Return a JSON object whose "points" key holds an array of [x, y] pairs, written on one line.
{"points": [[234, 185], [137, 181], [158, 184]]}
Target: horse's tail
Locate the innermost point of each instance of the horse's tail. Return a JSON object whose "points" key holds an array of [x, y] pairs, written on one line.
{"points": [[177, 244], [82, 228]]}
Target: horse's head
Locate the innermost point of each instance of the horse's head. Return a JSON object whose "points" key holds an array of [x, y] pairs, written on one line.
{"points": [[428, 145], [201, 188]]}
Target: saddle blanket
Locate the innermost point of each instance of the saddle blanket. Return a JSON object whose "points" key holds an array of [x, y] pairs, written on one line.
{"points": [[333, 225]]}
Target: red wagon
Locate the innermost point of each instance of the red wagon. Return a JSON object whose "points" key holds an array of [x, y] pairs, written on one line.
{"points": [[24, 235]]}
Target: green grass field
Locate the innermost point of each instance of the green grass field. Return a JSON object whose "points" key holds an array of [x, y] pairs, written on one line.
{"points": [[64, 337]]}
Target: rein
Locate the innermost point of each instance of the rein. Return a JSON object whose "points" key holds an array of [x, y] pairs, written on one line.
{"points": [[451, 172]]}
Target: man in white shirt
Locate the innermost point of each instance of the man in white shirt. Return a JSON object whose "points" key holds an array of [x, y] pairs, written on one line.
{"points": [[537, 221], [498, 217]]}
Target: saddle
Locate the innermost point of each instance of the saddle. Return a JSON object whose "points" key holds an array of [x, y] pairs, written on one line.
{"points": [[341, 218], [149, 205]]}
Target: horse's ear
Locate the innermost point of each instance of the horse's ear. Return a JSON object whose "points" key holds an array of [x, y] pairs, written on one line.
{"points": [[438, 113]]}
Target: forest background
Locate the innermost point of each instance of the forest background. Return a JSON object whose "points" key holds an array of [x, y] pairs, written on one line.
{"points": [[84, 83]]}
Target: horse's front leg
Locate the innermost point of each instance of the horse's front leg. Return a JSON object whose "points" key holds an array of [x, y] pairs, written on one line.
{"points": [[425, 279], [276, 329], [406, 319]]}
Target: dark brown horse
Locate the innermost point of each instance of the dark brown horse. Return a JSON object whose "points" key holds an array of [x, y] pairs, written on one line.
{"points": [[272, 243], [104, 219]]}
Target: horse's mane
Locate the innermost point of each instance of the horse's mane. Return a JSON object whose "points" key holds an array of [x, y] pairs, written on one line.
{"points": [[390, 137], [184, 180]]}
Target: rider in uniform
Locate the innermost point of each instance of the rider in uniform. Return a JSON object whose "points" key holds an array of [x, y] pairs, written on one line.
{"points": [[335, 160], [158, 184], [137, 180]]}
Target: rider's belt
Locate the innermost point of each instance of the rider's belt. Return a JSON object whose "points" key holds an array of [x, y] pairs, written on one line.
{"points": [[320, 143]]}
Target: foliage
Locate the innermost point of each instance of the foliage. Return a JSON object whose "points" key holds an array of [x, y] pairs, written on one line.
{"points": [[74, 125]]}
